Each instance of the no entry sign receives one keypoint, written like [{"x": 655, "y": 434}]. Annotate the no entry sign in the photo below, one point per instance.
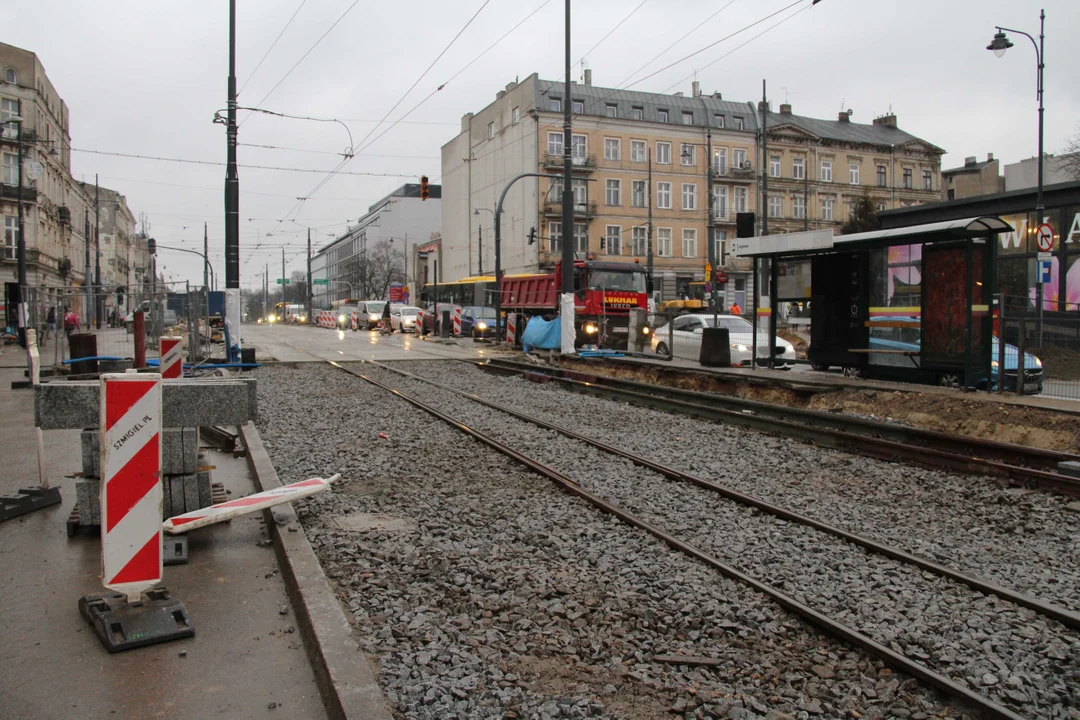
[
  {"x": 1044, "y": 237},
  {"x": 131, "y": 482}
]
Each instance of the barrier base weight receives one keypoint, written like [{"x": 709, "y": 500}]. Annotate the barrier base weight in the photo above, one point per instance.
[
  {"x": 123, "y": 626},
  {"x": 174, "y": 550},
  {"x": 27, "y": 500}
]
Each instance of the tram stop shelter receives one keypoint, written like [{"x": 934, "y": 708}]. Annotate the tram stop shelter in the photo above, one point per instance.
[{"x": 909, "y": 304}]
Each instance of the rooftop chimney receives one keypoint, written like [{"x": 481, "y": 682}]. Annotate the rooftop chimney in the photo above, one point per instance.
[
  {"x": 989, "y": 157},
  {"x": 845, "y": 116},
  {"x": 717, "y": 96},
  {"x": 970, "y": 160},
  {"x": 763, "y": 105},
  {"x": 678, "y": 94},
  {"x": 785, "y": 109},
  {"x": 696, "y": 87},
  {"x": 500, "y": 95},
  {"x": 588, "y": 76},
  {"x": 889, "y": 120}
]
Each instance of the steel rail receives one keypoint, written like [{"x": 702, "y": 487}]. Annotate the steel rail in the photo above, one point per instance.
[
  {"x": 1034, "y": 457},
  {"x": 837, "y": 629},
  {"x": 1049, "y": 610},
  {"x": 881, "y": 448}
]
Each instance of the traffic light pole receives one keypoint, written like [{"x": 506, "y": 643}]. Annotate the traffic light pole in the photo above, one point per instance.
[
  {"x": 568, "y": 182},
  {"x": 498, "y": 249},
  {"x": 232, "y": 178}
]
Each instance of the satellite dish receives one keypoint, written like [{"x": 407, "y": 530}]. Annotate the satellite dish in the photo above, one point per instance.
[{"x": 34, "y": 170}]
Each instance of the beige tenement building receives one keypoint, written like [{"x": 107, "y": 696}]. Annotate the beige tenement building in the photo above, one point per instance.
[
  {"x": 635, "y": 154},
  {"x": 818, "y": 169}
]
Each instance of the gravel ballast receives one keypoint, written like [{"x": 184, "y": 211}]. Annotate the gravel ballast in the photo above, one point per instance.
[
  {"x": 481, "y": 590},
  {"x": 1008, "y": 653}
]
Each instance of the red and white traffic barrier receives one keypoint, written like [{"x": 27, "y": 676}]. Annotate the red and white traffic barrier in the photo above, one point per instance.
[
  {"x": 457, "y": 321},
  {"x": 251, "y": 503},
  {"x": 511, "y": 328},
  {"x": 171, "y": 364},
  {"x": 131, "y": 493}
]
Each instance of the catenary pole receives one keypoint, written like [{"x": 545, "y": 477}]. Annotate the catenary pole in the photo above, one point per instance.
[{"x": 232, "y": 178}]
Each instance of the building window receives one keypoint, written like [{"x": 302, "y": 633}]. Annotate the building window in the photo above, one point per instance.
[
  {"x": 719, "y": 120},
  {"x": 881, "y": 176},
  {"x": 738, "y": 122},
  {"x": 11, "y": 236},
  {"x": 581, "y": 194},
  {"x": 580, "y": 147},
  {"x": 687, "y": 118},
  {"x": 555, "y": 143},
  {"x": 11, "y": 169},
  {"x": 611, "y": 110},
  {"x": 663, "y": 153},
  {"x": 637, "y": 113},
  {"x": 689, "y": 196},
  {"x": 853, "y": 173},
  {"x": 581, "y": 238},
  {"x": 663, "y": 195},
  {"x": 8, "y": 109},
  {"x": 515, "y": 115},
  {"x": 639, "y": 241},
  {"x": 578, "y": 107},
  {"x": 491, "y": 130},
  {"x": 720, "y": 206},
  {"x": 742, "y": 199},
  {"x": 556, "y": 104},
  {"x": 798, "y": 168},
  {"x": 613, "y": 192},
  {"x": 952, "y": 194},
  {"x": 720, "y": 161},
  {"x": 927, "y": 179},
  {"x": 637, "y": 193},
  {"x": 881, "y": 207},
  {"x": 774, "y": 166},
  {"x": 662, "y": 115},
  {"x": 663, "y": 242},
  {"x": 686, "y": 154},
  {"x": 612, "y": 148},
  {"x": 637, "y": 151},
  {"x": 826, "y": 171},
  {"x": 798, "y": 204},
  {"x": 614, "y": 240},
  {"x": 826, "y": 208},
  {"x": 775, "y": 206},
  {"x": 720, "y": 247},
  {"x": 850, "y": 208},
  {"x": 738, "y": 159},
  {"x": 907, "y": 178},
  {"x": 689, "y": 242},
  {"x": 555, "y": 237},
  {"x": 10, "y": 76}
]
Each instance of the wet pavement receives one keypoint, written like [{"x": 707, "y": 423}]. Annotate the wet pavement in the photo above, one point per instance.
[{"x": 304, "y": 343}]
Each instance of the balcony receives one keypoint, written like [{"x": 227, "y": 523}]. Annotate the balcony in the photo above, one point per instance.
[
  {"x": 65, "y": 214},
  {"x": 11, "y": 192},
  {"x": 586, "y": 163},
  {"x": 581, "y": 210},
  {"x": 746, "y": 174}
]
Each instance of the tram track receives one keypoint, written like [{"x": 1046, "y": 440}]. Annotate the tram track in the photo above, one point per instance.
[
  {"x": 1015, "y": 464},
  {"x": 845, "y": 632}
]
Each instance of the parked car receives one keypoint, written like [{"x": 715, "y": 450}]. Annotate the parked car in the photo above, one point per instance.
[
  {"x": 909, "y": 339},
  {"x": 477, "y": 322},
  {"x": 686, "y": 332},
  {"x": 428, "y": 320},
  {"x": 403, "y": 317}
]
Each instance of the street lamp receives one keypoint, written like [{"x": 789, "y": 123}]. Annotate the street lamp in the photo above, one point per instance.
[
  {"x": 999, "y": 45},
  {"x": 480, "y": 241},
  {"x": 206, "y": 260}
]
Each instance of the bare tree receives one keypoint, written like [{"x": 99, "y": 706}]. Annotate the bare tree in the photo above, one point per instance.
[
  {"x": 1070, "y": 157},
  {"x": 387, "y": 265}
]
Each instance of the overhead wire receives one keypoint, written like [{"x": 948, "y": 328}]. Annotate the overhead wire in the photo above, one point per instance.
[
  {"x": 272, "y": 45},
  {"x": 211, "y": 162},
  {"x": 609, "y": 32}
]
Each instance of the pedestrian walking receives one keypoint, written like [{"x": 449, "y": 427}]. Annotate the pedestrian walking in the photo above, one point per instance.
[
  {"x": 50, "y": 323},
  {"x": 71, "y": 322},
  {"x": 387, "y": 327}
]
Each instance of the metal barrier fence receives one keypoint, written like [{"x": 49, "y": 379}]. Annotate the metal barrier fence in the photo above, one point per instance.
[
  {"x": 1043, "y": 351},
  {"x": 80, "y": 321}
]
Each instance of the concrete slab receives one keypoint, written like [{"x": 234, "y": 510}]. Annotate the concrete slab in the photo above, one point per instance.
[
  {"x": 62, "y": 405},
  {"x": 179, "y": 451},
  {"x": 242, "y": 658}
]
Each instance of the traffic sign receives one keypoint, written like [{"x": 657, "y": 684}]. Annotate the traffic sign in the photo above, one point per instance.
[
  {"x": 1045, "y": 255},
  {"x": 721, "y": 277},
  {"x": 1044, "y": 272},
  {"x": 708, "y": 269},
  {"x": 1044, "y": 237},
  {"x": 283, "y": 281},
  {"x": 34, "y": 169},
  {"x": 320, "y": 281}
]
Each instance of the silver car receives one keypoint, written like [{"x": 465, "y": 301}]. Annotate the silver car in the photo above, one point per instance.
[
  {"x": 403, "y": 317},
  {"x": 685, "y": 335}
]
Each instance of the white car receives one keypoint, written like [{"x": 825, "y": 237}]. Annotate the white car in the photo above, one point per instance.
[
  {"x": 686, "y": 335},
  {"x": 403, "y": 317}
]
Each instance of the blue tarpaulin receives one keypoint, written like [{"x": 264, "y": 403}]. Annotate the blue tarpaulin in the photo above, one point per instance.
[{"x": 541, "y": 333}]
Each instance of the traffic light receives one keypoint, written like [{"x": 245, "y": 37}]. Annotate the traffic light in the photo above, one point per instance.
[
  {"x": 151, "y": 246},
  {"x": 532, "y": 235},
  {"x": 424, "y": 187}
]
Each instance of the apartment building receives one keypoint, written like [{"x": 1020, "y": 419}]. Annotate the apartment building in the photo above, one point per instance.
[
  {"x": 818, "y": 169},
  {"x": 973, "y": 178},
  {"x": 640, "y": 168}
]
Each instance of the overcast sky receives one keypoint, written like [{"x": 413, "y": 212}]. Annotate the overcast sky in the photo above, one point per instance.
[{"x": 146, "y": 77}]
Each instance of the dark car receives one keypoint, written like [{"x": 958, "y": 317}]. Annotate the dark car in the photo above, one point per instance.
[
  {"x": 477, "y": 322},
  {"x": 428, "y": 321}
]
